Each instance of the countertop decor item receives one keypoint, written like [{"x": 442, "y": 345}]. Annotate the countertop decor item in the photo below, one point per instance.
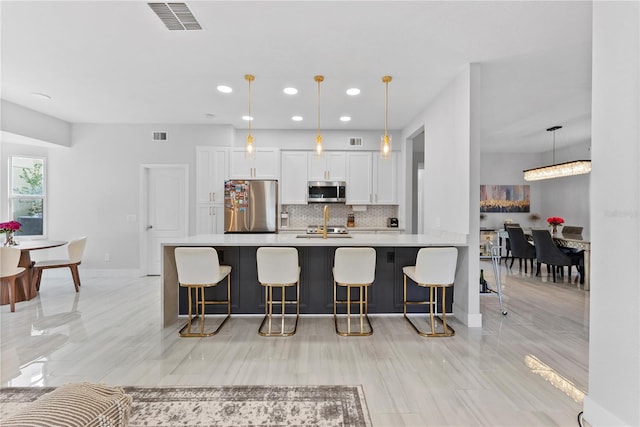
[{"x": 9, "y": 228}]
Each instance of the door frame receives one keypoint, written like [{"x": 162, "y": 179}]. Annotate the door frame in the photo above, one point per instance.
[{"x": 144, "y": 207}]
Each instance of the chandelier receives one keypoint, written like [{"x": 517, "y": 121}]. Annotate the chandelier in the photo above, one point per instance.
[{"x": 557, "y": 170}]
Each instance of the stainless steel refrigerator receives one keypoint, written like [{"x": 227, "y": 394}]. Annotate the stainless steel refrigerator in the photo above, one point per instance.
[{"x": 250, "y": 206}]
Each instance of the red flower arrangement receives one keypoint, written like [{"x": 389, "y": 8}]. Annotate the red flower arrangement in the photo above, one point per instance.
[
  {"x": 10, "y": 226},
  {"x": 555, "y": 220}
]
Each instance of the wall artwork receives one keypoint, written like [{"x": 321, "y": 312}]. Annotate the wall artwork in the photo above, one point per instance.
[{"x": 504, "y": 198}]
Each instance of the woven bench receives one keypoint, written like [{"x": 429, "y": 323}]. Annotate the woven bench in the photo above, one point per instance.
[{"x": 85, "y": 404}]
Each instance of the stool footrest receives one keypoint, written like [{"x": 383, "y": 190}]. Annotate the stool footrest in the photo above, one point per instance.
[{"x": 190, "y": 334}]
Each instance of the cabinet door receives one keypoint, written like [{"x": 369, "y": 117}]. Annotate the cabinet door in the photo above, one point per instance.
[
  {"x": 267, "y": 164},
  {"x": 293, "y": 182},
  {"x": 264, "y": 165},
  {"x": 359, "y": 172},
  {"x": 385, "y": 179},
  {"x": 336, "y": 165},
  {"x": 209, "y": 218},
  {"x": 212, "y": 168},
  {"x": 316, "y": 167}
]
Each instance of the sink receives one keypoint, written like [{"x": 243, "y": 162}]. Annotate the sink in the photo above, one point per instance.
[{"x": 319, "y": 236}]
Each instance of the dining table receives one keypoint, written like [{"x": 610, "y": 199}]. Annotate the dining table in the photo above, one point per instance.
[
  {"x": 25, "y": 285},
  {"x": 572, "y": 241}
]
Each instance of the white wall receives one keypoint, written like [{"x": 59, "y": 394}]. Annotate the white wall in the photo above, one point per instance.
[
  {"x": 566, "y": 197},
  {"x": 614, "y": 333}
]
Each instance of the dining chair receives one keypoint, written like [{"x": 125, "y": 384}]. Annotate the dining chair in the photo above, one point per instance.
[
  {"x": 548, "y": 253},
  {"x": 278, "y": 268},
  {"x": 75, "y": 249},
  {"x": 435, "y": 268},
  {"x": 9, "y": 270},
  {"x": 572, "y": 232},
  {"x": 199, "y": 268},
  {"x": 520, "y": 248},
  {"x": 507, "y": 244}
]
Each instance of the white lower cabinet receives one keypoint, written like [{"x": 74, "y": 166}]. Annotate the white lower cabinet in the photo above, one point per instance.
[{"x": 209, "y": 218}]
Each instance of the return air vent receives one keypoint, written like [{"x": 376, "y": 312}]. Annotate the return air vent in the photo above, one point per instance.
[
  {"x": 176, "y": 16},
  {"x": 160, "y": 136},
  {"x": 356, "y": 141}
]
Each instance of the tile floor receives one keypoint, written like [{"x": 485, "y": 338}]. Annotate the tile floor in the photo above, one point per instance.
[{"x": 523, "y": 369}]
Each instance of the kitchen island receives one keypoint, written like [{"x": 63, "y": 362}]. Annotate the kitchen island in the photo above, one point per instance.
[{"x": 394, "y": 251}]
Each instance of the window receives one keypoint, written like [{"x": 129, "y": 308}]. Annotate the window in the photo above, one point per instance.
[{"x": 26, "y": 194}]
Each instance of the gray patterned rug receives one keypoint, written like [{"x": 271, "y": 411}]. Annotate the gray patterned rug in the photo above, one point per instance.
[{"x": 228, "y": 405}]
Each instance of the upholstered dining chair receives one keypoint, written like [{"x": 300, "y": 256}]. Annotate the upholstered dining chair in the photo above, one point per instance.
[
  {"x": 548, "y": 253},
  {"x": 520, "y": 248},
  {"x": 75, "y": 249},
  {"x": 9, "y": 270},
  {"x": 572, "y": 231},
  {"x": 507, "y": 244}
]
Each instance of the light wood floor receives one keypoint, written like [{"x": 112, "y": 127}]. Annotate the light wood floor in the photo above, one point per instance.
[{"x": 512, "y": 372}]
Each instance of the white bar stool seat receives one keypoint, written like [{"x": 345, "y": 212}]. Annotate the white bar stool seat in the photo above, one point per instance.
[
  {"x": 435, "y": 268},
  {"x": 354, "y": 268},
  {"x": 278, "y": 268},
  {"x": 199, "y": 268}
]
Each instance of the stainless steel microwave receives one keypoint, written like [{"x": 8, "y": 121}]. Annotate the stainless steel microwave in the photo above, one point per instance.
[{"x": 327, "y": 192}]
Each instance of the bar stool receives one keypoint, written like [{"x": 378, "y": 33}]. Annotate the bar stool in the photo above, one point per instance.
[
  {"x": 354, "y": 268},
  {"x": 278, "y": 268},
  {"x": 435, "y": 268},
  {"x": 199, "y": 268}
]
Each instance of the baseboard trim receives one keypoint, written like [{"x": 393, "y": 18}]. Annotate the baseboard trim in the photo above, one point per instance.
[{"x": 596, "y": 415}]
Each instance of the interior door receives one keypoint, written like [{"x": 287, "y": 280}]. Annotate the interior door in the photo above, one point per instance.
[{"x": 167, "y": 213}]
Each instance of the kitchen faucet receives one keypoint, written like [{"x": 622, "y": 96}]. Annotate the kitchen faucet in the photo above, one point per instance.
[{"x": 326, "y": 220}]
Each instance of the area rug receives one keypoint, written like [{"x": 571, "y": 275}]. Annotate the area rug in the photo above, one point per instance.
[{"x": 228, "y": 405}]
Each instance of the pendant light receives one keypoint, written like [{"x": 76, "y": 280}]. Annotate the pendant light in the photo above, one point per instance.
[
  {"x": 249, "y": 149},
  {"x": 385, "y": 140},
  {"x": 576, "y": 167},
  {"x": 319, "y": 79}
]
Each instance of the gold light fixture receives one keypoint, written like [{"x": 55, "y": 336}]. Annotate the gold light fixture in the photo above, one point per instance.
[
  {"x": 385, "y": 141},
  {"x": 318, "y": 79},
  {"x": 249, "y": 149},
  {"x": 559, "y": 170}
]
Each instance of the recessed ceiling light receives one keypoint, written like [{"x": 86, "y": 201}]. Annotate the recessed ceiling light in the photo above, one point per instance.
[
  {"x": 247, "y": 118},
  {"x": 296, "y": 118},
  {"x": 224, "y": 89},
  {"x": 41, "y": 95},
  {"x": 353, "y": 91},
  {"x": 290, "y": 90},
  {"x": 345, "y": 119}
]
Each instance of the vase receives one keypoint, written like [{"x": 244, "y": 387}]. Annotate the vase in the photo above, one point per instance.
[
  {"x": 554, "y": 231},
  {"x": 9, "y": 239}
]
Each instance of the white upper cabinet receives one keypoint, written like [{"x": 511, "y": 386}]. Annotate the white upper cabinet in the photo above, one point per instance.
[
  {"x": 293, "y": 183},
  {"x": 331, "y": 166},
  {"x": 371, "y": 179},
  {"x": 264, "y": 165},
  {"x": 359, "y": 172},
  {"x": 385, "y": 179},
  {"x": 212, "y": 168}
]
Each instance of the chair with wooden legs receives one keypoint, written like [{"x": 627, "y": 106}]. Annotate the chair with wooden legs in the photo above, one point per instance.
[
  {"x": 278, "y": 268},
  {"x": 435, "y": 269},
  {"x": 198, "y": 269},
  {"x": 9, "y": 270},
  {"x": 354, "y": 268},
  {"x": 75, "y": 250}
]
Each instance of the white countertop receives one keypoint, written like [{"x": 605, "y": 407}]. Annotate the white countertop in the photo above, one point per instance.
[{"x": 381, "y": 240}]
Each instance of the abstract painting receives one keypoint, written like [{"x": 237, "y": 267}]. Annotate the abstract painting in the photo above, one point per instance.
[{"x": 504, "y": 198}]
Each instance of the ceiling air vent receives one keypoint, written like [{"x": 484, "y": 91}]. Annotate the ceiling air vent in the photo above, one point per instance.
[
  {"x": 176, "y": 16},
  {"x": 160, "y": 136},
  {"x": 356, "y": 141}
]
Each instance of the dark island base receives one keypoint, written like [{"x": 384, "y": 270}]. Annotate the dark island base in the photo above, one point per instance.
[{"x": 316, "y": 283}]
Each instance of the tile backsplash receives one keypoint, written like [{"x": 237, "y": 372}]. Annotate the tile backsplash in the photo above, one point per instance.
[{"x": 375, "y": 216}]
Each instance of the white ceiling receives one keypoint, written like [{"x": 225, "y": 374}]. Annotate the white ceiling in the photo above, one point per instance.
[{"x": 116, "y": 62}]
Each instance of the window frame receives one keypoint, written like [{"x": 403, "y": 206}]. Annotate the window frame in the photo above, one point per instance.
[{"x": 12, "y": 197}]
